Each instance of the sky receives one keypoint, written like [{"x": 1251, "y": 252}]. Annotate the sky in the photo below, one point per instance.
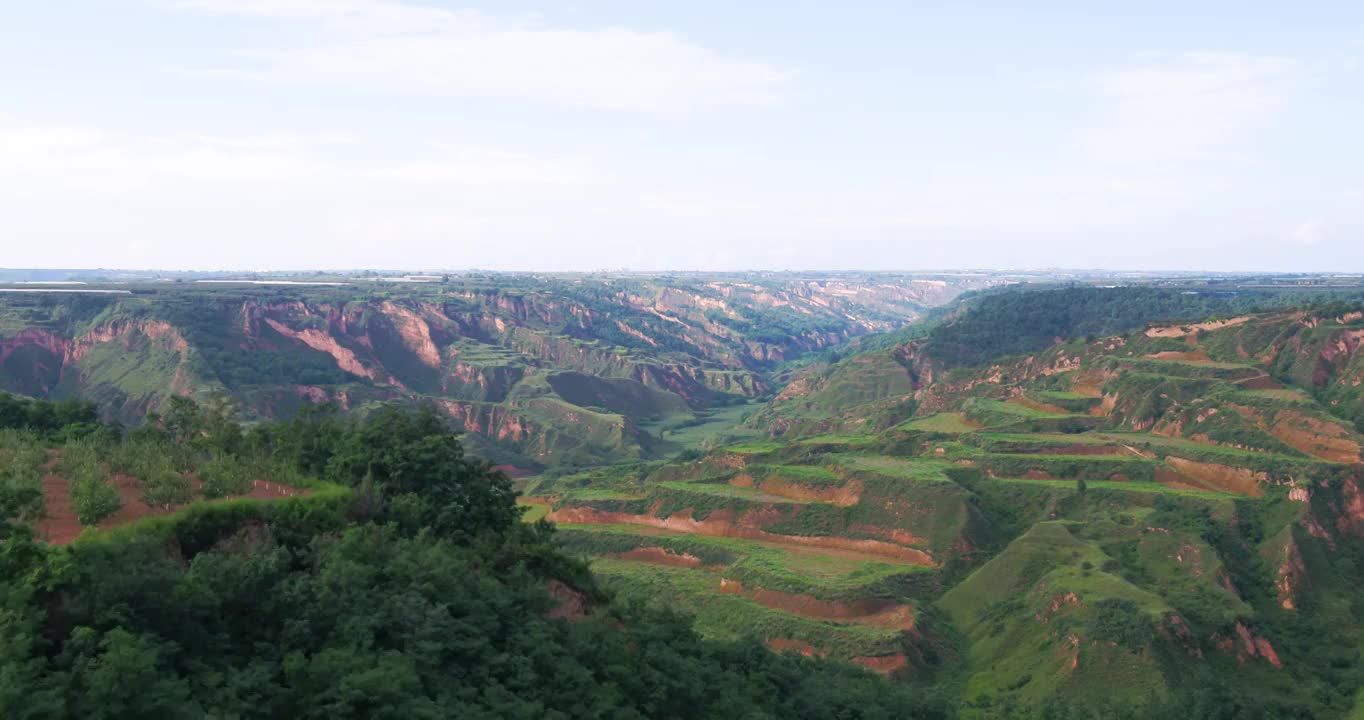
[{"x": 697, "y": 135}]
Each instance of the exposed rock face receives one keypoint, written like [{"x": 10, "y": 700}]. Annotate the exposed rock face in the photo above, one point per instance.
[
  {"x": 1248, "y": 646},
  {"x": 701, "y": 340},
  {"x": 415, "y": 333},
  {"x": 1351, "y": 513},
  {"x": 45, "y": 362},
  {"x": 322, "y": 342}
]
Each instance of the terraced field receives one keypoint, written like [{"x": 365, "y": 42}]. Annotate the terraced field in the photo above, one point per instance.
[{"x": 1108, "y": 529}]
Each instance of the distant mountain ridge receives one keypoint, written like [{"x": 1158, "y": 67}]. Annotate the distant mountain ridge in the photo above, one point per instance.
[{"x": 538, "y": 370}]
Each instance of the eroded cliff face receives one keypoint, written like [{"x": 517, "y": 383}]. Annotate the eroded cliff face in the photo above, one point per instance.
[
  {"x": 128, "y": 365},
  {"x": 704, "y": 341}
]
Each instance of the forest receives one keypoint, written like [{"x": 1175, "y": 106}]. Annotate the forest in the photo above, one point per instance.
[{"x": 1013, "y": 322}]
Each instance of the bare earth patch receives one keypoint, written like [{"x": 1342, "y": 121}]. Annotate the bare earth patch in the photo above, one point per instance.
[
  {"x": 876, "y": 613},
  {"x": 60, "y": 525}
]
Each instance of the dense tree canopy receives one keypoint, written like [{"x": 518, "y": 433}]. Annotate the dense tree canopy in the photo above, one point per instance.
[{"x": 999, "y": 324}]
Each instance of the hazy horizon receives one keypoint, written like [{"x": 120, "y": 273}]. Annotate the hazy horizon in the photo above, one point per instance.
[{"x": 294, "y": 135}]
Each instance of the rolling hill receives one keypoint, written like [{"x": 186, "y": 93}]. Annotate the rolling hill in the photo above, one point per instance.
[
  {"x": 1055, "y": 502},
  {"x": 1170, "y": 519}
]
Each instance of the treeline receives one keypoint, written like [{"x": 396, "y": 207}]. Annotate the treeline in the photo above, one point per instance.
[
  {"x": 420, "y": 594},
  {"x": 47, "y": 418},
  {"x": 1017, "y": 322}
]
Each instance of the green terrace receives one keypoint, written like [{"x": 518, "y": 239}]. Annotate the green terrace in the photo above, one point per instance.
[
  {"x": 1134, "y": 445},
  {"x": 731, "y": 616},
  {"x": 1148, "y": 488},
  {"x": 799, "y": 474},
  {"x": 985, "y": 407},
  {"x": 841, "y": 440},
  {"x": 1280, "y": 394},
  {"x": 923, "y": 471},
  {"x": 1189, "y": 368},
  {"x": 1065, "y": 465},
  {"x": 753, "y": 447},
  {"x": 950, "y": 423},
  {"x": 825, "y": 574},
  {"x": 1071, "y": 402},
  {"x": 730, "y": 492}
]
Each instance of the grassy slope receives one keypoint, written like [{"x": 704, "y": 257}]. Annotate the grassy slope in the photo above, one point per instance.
[{"x": 1121, "y": 592}]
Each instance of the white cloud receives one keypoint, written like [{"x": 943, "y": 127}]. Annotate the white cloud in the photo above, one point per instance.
[
  {"x": 369, "y": 15},
  {"x": 462, "y": 165},
  {"x": 91, "y": 159},
  {"x": 1165, "y": 110},
  {"x": 399, "y": 47}
]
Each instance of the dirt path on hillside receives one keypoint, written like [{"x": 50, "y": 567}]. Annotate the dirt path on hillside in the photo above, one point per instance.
[{"x": 59, "y": 525}]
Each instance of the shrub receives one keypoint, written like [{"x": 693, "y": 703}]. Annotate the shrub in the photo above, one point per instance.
[
  {"x": 166, "y": 487},
  {"x": 94, "y": 498},
  {"x": 1121, "y": 621},
  {"x": 225, "y": 475}
]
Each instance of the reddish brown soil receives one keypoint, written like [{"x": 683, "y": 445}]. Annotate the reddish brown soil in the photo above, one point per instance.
[
  {"x": 60, "y": 526},
  {"x": 1326, "y": 440},
  {"x": 1351, "y": 518},
  {"x": 898, "y": 535},
  {"x": 1260, "y": 382},
  {"x": 660, "y": 556},
  {"x": 879, "y": 613},
  {"x": 1037, "y": 475},
  {"x": 1249, "y": 647},
  {"x": 1212, "y": 476},
  {"x": 571, "y": 604},
  {"x": 804, "y": 648},
  {"x": 722, "y": 523},
  {"x": 1168, "y": 477},
  {"x": 514, "y": 472},
  {"x": 843, "y": 496},
  {"x": 884, "y": 664},
  {"x": 1038, "y": 406}
]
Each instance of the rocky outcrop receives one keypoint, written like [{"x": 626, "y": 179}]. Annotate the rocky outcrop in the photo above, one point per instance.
[
  {"x": 1247, "y": 646},
  {"x": 321, "y": 341},
  {"x": 414, "y": 331}
]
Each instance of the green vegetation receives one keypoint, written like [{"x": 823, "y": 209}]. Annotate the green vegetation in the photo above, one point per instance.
[
  {"x": 949, "y": 423},
  {"x": 373, "y": 603},
  {"x": 543, "y": 370},
  {"x": 727, "y": 616},
  {"x": 93, "y": 496},
  {"x": 1086, "y": 532},
  {"x": 1008, "y": 323}
]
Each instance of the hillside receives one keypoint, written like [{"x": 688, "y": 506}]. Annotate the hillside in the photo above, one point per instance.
[
  {"x": 401, "y": 586},
  {"x": 539, "y": 370},
  {"x": 1144, "y": 519},
  {"x": 1167, "y": 522}
]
